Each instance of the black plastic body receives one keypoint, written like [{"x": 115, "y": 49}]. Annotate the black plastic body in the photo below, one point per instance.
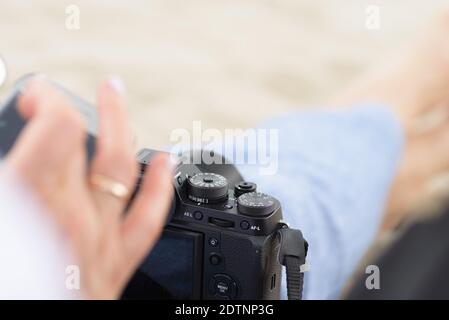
[{"x": 247, "y": 247}]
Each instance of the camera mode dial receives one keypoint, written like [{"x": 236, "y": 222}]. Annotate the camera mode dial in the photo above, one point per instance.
[
  {"x": 256, "y": 204},
  {"x": 206, "y": 187}
]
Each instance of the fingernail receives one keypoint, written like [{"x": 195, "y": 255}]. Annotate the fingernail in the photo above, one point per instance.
[
  {"x": 38, "y": 77},
  {"x": 116, "y": 83},
  {"x": 32, "y": 81}
]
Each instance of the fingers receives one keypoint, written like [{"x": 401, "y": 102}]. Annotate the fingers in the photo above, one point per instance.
[
  {"x": 54, "y": 130},
  {"x": 114, "y": 157},
  {"x": 51, "y": 145},
  {"x": 435, "y": 142},
  {"x": 147, "y": 215},
  {"x": 417, "y": 170}
]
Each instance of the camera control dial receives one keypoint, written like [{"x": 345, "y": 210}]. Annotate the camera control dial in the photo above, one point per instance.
[
  {"x": 206, "y": 187},
  {"x": 256, "y": 204},
  {"x": 244, "y": 187}
]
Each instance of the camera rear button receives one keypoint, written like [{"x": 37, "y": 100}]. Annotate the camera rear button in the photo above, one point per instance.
[
  {"x": 213, "y": 242},
  {"x": 198, "y": 215},
  {"x": 244, "y": 225},
  {"x": 215, "y": 259},
  {"x": 223, "y": 286}
]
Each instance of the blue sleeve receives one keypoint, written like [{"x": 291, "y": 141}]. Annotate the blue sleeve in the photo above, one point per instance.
[{"x": 334, "y": 172}]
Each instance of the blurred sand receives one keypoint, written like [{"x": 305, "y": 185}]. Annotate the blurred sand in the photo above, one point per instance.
[{"x": 227, "y": 63}]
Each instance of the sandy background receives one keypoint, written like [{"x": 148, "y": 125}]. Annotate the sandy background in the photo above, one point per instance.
[{"x": 227, "y": 63}]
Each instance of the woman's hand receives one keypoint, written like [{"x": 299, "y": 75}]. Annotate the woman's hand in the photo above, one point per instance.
[
  {"x": 416, "y": 88},
  {"x": 50, "y": 157}
]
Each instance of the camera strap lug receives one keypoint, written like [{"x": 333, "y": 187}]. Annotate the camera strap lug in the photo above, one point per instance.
[{"x": 292, "y": 255}]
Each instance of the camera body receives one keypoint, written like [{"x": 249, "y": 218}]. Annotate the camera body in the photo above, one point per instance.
[{"x": 220, "y": 240}]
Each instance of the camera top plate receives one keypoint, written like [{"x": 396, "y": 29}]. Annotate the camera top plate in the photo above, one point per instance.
[{"x": 255, "y": 214}]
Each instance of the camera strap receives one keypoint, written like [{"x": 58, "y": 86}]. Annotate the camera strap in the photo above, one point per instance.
[{"x": 292, "y": 255}]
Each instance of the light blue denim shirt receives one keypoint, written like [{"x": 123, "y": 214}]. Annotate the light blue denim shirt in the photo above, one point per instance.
[{"x": 334, "y": 173}]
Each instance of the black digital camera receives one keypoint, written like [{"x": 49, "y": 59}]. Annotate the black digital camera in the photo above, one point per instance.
[{"x": 221, "y": 240}]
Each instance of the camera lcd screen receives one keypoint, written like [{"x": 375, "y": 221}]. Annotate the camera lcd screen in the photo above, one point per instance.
[{"x": 172, "y": 270}]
